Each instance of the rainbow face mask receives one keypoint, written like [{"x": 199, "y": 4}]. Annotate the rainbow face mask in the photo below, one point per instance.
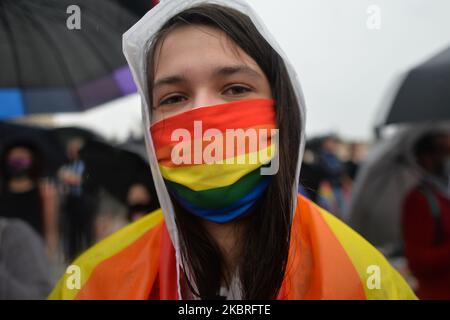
[{"x": 212, "y": 158}]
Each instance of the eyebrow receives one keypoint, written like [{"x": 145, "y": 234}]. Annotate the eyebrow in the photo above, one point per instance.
[
  {"x": 176, "y": 79},
  {"x": 218, "y": 72},
  {"x": 231, "y": 70}
]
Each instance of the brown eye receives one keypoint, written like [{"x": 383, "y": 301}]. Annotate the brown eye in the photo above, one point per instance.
[
  {"x": 236, "y": 90},
  {"x": 173, "y": 99}
]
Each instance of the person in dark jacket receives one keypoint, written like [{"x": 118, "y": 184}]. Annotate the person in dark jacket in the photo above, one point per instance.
[
  {"x": 426, "y": 219},
  {"x": 26, "y": 194}
]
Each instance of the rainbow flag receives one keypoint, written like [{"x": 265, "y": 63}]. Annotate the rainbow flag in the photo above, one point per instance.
[{"x": 327, "y": 260}]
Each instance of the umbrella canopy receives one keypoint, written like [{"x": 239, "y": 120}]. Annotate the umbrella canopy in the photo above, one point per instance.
[
  {"x": 50, "y": 149},
  {"x": 424, "y": 94},
  {"x": 138, "y": 7},
  {"x": 115, "y": 169},
  {"x": 64, "y": 134},
  {"x": 47, "y": 67},
  {"x": 383, "y": 182}
]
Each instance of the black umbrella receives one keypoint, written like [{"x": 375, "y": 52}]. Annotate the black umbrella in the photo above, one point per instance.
[
  {"x": 138, "y": 7},
  {"x": 65, "y": 134},
  {"x": 48, "y": 67},
  {"x": 425, "y": 93},
  {"x": 115, "y": 169}
]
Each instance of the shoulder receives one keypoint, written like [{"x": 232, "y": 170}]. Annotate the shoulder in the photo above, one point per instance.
[
  {"x": 17, "y": 232},
  {"x": 110, "y": 258},
  {"x": 124, "y": 237},
  {"x": 378, "y": 278},
  {"x": 15, "y": 226},
  {"x": 414, "y": 195}
]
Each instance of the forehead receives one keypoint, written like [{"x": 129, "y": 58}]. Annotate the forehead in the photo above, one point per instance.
[{"x": 196, "y": 46}]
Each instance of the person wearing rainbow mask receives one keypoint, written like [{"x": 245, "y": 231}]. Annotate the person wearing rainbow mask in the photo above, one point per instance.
[{"x": 224, "y": 117}]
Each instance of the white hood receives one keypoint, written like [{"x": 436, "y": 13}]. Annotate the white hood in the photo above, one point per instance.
[{"x": 137, "y": 41}]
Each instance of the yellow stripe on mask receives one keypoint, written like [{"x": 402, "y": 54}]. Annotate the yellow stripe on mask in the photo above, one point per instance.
[{"x": 218, "y": 174}]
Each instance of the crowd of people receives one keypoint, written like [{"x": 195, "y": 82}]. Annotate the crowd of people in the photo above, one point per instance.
[
  {"x": 329, "y": 168},
  {"x": 328, "y": 176},
  {"x": 48, "y": 218},
  {"x": 426, "y": 218},
  {"x": 47, "y": 221},
  {"x": 225, "y": 230}
]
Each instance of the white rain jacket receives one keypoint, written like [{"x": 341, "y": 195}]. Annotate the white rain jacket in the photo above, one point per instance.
[{"x": 136, "y": 42}]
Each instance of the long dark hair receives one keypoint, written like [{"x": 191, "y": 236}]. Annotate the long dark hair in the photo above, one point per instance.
[{"x": 266, "y": 238}]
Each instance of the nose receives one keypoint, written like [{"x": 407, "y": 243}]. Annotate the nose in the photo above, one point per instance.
[{"x": 206, "y": 97}]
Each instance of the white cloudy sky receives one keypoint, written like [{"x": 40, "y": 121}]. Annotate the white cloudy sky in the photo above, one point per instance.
[{"x": 345, "y": 68}]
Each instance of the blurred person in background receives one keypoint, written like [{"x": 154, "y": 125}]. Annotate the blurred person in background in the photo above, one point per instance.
[
  {"x": 426, "y": 218},
  {"x": 351, "y": 167},
  {"x": 112, "y": 213},
  {"x": 71, "y": 173},
  {"x": 25, "y": 195},
  {"x": 24, "y": 267},
  {"x": 331, "y": 193},
  {"x": 110, "y": 216},
  {"x": 79, "y": 201},
  {"x": 353, "y": 162},
  {"x": 140, "y": 201},
  {"x": 311, "y": 176},
  {"x": 329, "y": 161}
]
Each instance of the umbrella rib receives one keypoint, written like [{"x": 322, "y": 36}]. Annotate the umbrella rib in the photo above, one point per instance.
[
  {"x": 97, "y": 52},
  {"x": 90, "y": 19},
  {"x": 57, "y": 53},
  {"x": 47, "y": 38},
  {"x": 117, "y": 8},
  {"x": 9, "y": 35},
  {"x": 91, "y": 44}
]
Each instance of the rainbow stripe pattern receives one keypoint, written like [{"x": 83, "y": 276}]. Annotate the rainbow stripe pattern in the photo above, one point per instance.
[
  {"x": 327, "y": 260},
  {"x": 225, "y": 188}
]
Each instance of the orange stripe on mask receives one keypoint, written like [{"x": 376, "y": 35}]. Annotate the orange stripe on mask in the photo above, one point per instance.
[
  {"x": 235, "y": 115},
  {"x": 249, "y": 145}
]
